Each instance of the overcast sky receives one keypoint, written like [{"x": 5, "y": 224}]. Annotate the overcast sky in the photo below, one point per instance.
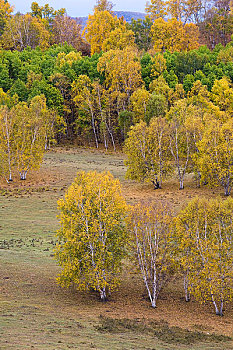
[{"x": 79, "y": 8}]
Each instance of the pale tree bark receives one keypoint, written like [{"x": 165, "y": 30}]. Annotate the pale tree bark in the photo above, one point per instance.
[
  {"x": 175, "y": 148},
  {"x": 110, "y": 133},
  {"x": 186, "y": 290},
  {"x": 93, "y": 123},
  {"x": 8, "y": 130},
  {"x": 103, "y": 118},
  {"x": 26, "y": 165},
  {"x": 103, "y": 237},
  {"x": 152, "y": 248}
]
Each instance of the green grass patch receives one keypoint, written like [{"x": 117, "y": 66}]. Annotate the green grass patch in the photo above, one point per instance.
[{"x": 162, "y": 330}]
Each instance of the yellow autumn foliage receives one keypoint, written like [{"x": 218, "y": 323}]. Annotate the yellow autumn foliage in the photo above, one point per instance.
[{"x": 92, "y": 234}]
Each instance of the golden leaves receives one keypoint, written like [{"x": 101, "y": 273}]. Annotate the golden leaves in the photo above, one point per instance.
[
  {"x": 98, "y": 28},
  {"x": 25, "y": 30},
  {"x": 92, "y": 233},
  {"x": 203, "y": 231},
  {"x": 122, "y": 70},
  {"x": 172, "y": 35}
]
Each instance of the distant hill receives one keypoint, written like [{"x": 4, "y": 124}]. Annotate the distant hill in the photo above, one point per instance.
[
  {"x": 126, "y": 14},
  {"x": 129, "y": 15}
]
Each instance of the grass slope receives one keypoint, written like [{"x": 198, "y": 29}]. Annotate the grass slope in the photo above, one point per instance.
[{"x": 36, "y": 313}]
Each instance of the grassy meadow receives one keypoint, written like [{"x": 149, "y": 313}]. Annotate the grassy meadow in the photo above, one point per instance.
[{"x": 36, "y": 313}]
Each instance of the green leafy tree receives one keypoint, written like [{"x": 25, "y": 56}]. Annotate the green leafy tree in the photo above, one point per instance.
[
  {"x": 157, "y": 106},
  {"x": 125, "y": 121},
  {"x": 5, "y": 80},
  {"x": 19, "y": 88},
  {"x": 141, "y": 29}
]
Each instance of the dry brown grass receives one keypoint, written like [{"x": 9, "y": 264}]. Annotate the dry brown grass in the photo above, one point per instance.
[{"x": 36, "y": 313}]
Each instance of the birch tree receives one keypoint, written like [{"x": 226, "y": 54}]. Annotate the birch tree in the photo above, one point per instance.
[
  {"x": 119, "y": 38},
  {"x": 173, "y": 35},
  {"x": 25, "y": 133},
  {"x": 6, "y": 135},
  {"x": 204, "y": 233},
  {"x": 195, "y": 126},
  {"x": 7, "y": 124},
  {"x": 138, "y": 103},
  {"x": 92, "y": 234},
  {"x": 147, "y": 150},
  {"x": 30, "y": 133},
  {"x": 85, "y": 98},
  {"x": 24, "y": 30},
  {"x": 215, "y": 157},
  {"x": 98, "y": 27},
  {"x": 104, "y": 5},
  {"x": 66, "y": 30},
  {"x": 151, "y": 232},
  {"x": 104, "y": 109},
  {"x": 180, "y": 137},
  {"x": 122, "y": 70}
]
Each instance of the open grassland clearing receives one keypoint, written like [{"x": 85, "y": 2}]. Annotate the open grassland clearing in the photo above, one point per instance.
[{"x": 36, "y": 313}]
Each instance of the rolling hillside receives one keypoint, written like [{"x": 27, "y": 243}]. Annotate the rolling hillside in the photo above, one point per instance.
[{"x": 128, "y": 15}]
